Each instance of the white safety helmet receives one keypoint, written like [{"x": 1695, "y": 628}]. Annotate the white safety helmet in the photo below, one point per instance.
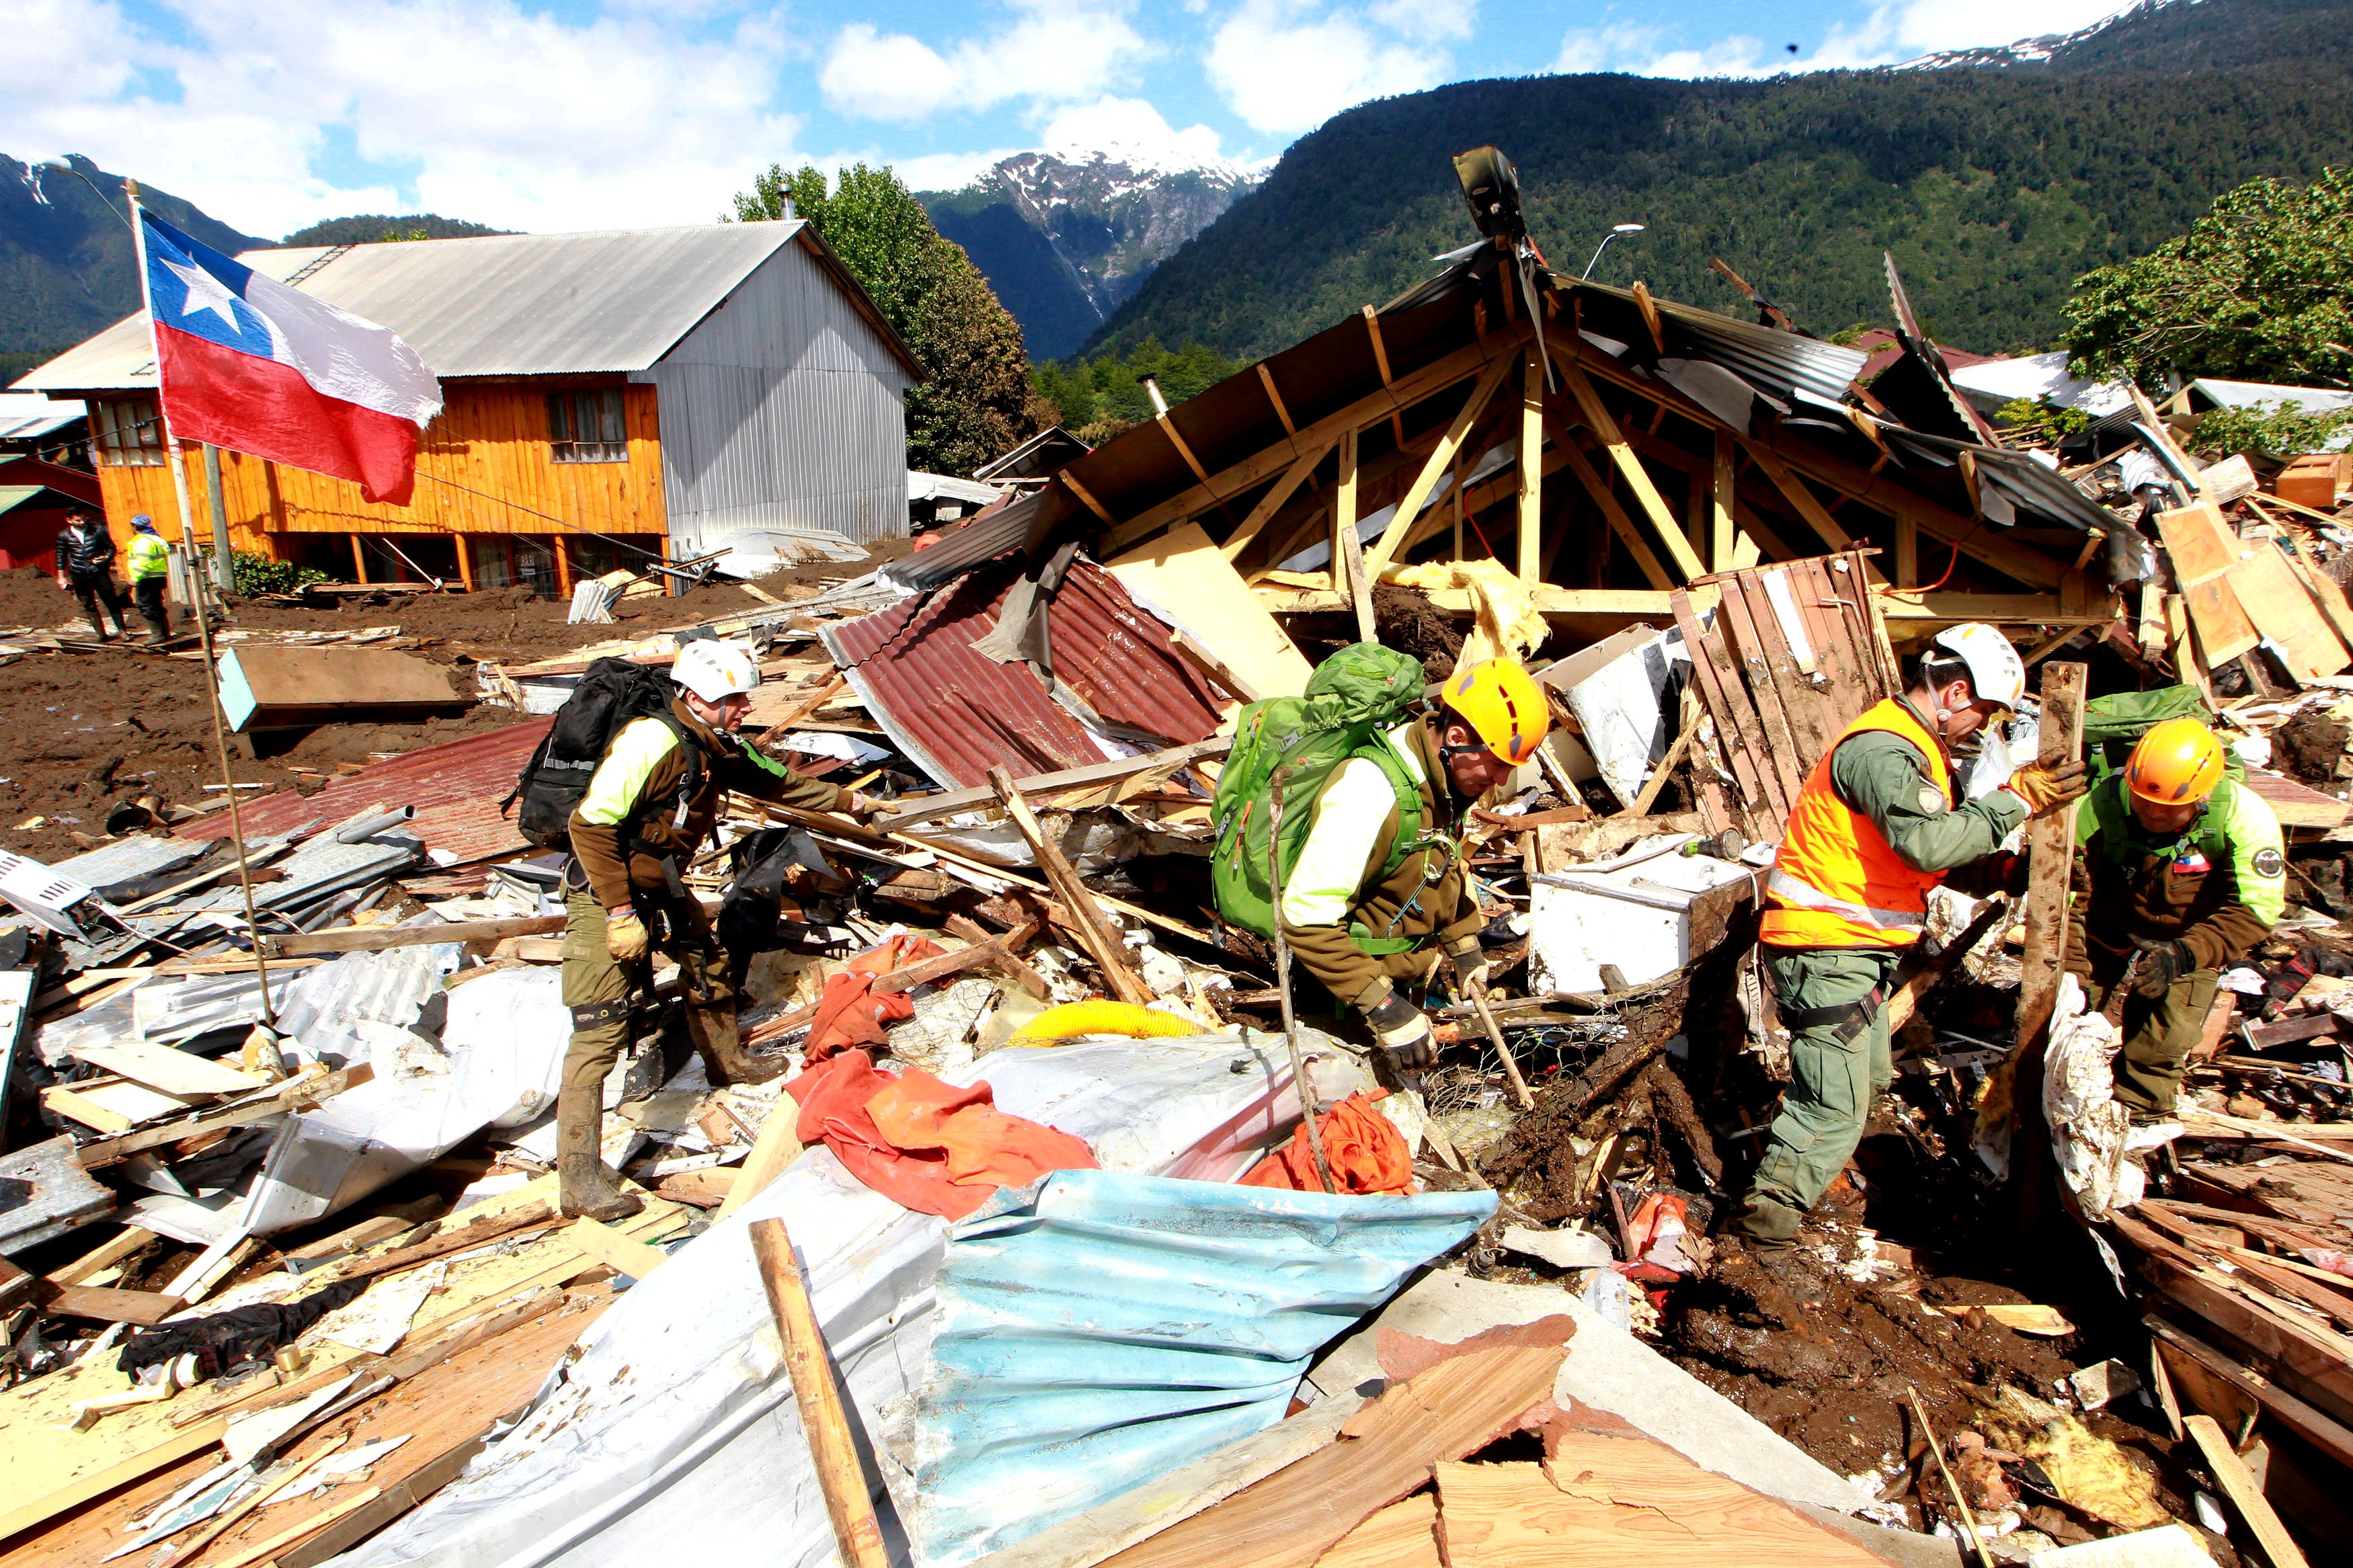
[
  {"x": 1996, "y": 672},
  {"x": 713, "y": 669}
]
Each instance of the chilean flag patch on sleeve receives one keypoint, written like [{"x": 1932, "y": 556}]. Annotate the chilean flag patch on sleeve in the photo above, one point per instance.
[{"x": 252, "y": 365}]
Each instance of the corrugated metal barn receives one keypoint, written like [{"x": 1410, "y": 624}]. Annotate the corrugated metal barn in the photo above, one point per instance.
[{"x": 666, "y": 391}]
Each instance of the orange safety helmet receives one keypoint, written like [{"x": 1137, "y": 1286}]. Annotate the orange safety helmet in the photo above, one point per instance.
[
  {"x": 2177, "y": 763},
  {"x": 1503, "y": 704}
]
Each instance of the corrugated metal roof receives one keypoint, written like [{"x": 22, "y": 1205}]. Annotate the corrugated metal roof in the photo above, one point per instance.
[
  {"x": 456, "y": 788},
  {"x": 958, "y": 713},
  {"x": 1096, "y": 1330},
  {"x": 27, "y": 416},
  {"x": 507, "y": 304}
]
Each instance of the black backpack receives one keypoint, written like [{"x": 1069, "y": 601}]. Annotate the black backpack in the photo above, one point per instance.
[{"x": 611, "y": 693}]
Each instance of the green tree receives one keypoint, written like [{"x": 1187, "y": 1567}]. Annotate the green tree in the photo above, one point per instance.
[
  {"x": 2261, "y": 289},
  {"x": 974, "y": 402},
  {"x": 1099, "y": 398}
]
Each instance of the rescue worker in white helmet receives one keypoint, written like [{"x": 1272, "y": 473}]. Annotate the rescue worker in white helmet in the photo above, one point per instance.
[
  {"x": 649, "y": 809},
  {"x": 1878, "y": 824}
]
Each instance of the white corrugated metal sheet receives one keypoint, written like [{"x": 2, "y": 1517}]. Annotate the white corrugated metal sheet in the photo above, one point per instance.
[
  {"x": 782, "y": 411},
  {"x": 509, "y": 304},
  {"x": 28, "y": 416}
]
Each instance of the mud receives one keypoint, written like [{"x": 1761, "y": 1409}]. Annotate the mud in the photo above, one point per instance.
[
  {"x": 2308, "y": 747},
  {"x": 1409, "y": 622}
]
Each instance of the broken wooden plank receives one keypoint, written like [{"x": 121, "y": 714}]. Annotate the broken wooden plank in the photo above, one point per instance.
[
  {"x": 920, "y": 808},
  {"x": 2331, "y": 1437},
  {"x": 2245, "y": 1494},
  {"x": 264, "y": 687},
  {"x": 452, "y": 1238},
  {"x": 2277, "y": 601},
  {"x": 1182, "y": 574},
  {"x": 1099, "y": 934},
  {"x": 2204, "y": 553},
  {"x": 624, "y": 1254},
  {"x": 1402, "y": 1535},
  {"x": 144, "y": 1308},
  {"x": 295, "y": 1094},
  {"x": 50, "y": 1194},
  {"x": 112, "y": 1105},
  {"x": 1386, "y": 1451},
  {"x": 2051, "y": 844},
  {"x": 374, "y": 939},
  {"x": 175, "y": 1072}
]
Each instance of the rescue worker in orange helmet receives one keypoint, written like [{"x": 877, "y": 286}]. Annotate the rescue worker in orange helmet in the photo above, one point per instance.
[
  {"x": 1361, "y": 924},
  {"x": 1879, "y": 823},
  {"x": 2184, "y": 870}
]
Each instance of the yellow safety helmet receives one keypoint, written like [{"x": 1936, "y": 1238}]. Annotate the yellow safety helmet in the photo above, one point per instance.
[
  {"x": 1501, "y": 703},
  {"x": 2177, "y": 763}
]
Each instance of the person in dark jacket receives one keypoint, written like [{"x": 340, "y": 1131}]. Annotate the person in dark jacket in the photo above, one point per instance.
[{"x": 86, "y": 570}]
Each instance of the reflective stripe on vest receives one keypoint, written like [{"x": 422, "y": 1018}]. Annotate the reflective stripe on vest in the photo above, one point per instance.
[{"x": 1836, "y": 882}]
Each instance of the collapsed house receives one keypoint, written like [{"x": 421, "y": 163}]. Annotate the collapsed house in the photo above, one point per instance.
[{"x": 1063, "y": 1284}]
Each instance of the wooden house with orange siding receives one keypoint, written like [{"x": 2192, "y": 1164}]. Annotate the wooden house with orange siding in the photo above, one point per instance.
[{"x": 608, "y": 397}]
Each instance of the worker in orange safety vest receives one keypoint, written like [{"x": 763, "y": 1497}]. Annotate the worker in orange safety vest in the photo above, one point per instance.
[{"x": 1876, "y": 826}]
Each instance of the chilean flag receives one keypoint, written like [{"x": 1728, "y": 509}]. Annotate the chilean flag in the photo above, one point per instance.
[{"x": 255, "y": 366}]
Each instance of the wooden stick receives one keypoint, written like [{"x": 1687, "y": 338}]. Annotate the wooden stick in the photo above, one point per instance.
[
  {"x": 2246, "y": 1495},
  {"x": 456, "y": 1238},
  {"x": 220, "y": 742},
  {"x": 1511, "y": 1068},
  {"x": 1105, "y": 946},
  {"x": 823, "y": 1420},
  {"x": 370, "y": 938},
  {"x": 1937, "y": 1451},
  {"x": 825, "y": 694},
  {"x": 295, "y": 1094},
  {"x": 1649, "y": 795}
]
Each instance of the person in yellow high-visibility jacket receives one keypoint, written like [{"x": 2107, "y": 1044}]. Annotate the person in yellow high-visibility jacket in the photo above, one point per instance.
[
  {"x": 151, "y": 568},
  {"x": 1875, "y": 828}
]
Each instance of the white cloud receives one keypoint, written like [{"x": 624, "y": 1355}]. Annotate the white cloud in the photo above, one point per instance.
[
  {"x": 1889, "y": 33},
  {"x": 1055, "y": 51},
  {"x": 1586, "y": 49},
  {"x": 1287, "y": 65},
  {"x": 934, "y": 171},
  {"x": 1427, "y": 21},
  {"x": 505, "y": 116}
]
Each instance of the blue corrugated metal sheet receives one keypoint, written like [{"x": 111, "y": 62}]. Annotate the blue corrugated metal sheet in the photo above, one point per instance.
[{"x": 1096, "y": 1330}]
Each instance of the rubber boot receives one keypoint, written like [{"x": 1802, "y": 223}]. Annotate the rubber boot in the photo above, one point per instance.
[
  {"x": 725, "y": 1059},
  {"x": 589, "y": 1193}
]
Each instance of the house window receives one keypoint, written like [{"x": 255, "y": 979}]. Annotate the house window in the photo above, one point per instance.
[
  {"x": 129, "y": 435},
  {"x": 586, "y": 426}
]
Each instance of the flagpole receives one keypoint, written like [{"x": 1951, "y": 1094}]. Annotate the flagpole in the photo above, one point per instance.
[
  {"x": 171, "y": 442},
  {"x": 201, "y": 590}
]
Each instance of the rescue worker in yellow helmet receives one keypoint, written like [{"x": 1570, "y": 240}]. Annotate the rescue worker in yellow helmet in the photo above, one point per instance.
[
  {"x": 2184, "y": 870},
  {"x": 1360, "y": 931},
  {"x": 1879, "y": 823}
]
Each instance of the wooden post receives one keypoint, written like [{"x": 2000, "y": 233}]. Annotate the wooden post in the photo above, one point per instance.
[
  {"x": 1908, "y": 552},
  {"x": 1721, "y": 526},
  {"x": 826, "y": 1424},
  {"x": 2051, "y": 844},
  {"x": 359, "y": 560},
  {"x": 558, "y": 543},
  {"x": 1348, "y": 555},
  {"x": 1532, "y": 389},
  {"x": 458, "y": 543},
  {"x": 1456, "y": 490},
  {"x": 1097, "y": 934}
]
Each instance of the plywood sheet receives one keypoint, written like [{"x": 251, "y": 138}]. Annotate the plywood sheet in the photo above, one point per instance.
[
  {"x": 172, "y": 1071},
  {"x": 2275, "y": 600},
  {"x": 1623, "y": 1499},
  {"x": 2205, "y": 552},
  {"x": 1182, "y": 574}
]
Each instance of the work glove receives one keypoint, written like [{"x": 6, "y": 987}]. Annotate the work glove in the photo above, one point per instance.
[
  {"x": 861, "y": 806},
  {"x": 1403, "y": 1031},
  {"x": 1470, "y": 968},
  {"x": 625, "y": 935},
  {"x": 2162, "y": 964},
  {"x": 2045, "y": 788}
]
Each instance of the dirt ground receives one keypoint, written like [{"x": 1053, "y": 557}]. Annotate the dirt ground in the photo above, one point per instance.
[{"x": 90, "y": 727}]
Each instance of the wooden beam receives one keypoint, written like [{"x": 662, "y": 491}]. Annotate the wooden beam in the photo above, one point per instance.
[
  {"x": 1168, "y": 428},
  {"x": 1720, "y": 495},
  {"x": 1532, "y": 433},
  {"x": 1086, "y": 497},
  {"x": 1267, "y": 462},
  {"x": 1808, "y": 506},
  {"x": 1098, "y": 934},
  {"x": 1408, "y": 511},
  {"x": 1348, "y": 555},
  {"x": 1266, "y": 379},
  {"x": 371, "y": 938},
  {"x": 1381, "y": 364},
  {"x": 1614, "y": 514},
  {"x": 2246, "y": 1493},
  {"x": 1603, "y": 424},
  {"x": 1908, "y": 552},
  {"x": 1271, "y": 502},
  {"x": 1921, "y": 612}
]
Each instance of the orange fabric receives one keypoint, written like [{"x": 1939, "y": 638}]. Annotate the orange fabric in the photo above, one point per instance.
[
  {"x": 1838, "y": 851},
  {"x": 1364, "y": 1148},
  {"x": 847, "y": 1011},
  {"x": 926, "y": 1145}
]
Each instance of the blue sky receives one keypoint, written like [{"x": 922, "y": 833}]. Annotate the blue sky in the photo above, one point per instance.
[{"x": 593, "y": 113}]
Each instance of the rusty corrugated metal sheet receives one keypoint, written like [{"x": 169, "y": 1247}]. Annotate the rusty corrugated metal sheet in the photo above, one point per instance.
[
  {"x": 956, "y": 714},
  {"x": 456, "y": 788}
]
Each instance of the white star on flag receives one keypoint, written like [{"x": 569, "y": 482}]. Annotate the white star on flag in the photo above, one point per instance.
[{"x": 206, "y": 292}]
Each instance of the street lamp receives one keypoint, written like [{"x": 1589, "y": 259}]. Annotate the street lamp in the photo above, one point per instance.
[
  {"x": 66, "y": 165},
  {"x": 1621, "y": 228}
]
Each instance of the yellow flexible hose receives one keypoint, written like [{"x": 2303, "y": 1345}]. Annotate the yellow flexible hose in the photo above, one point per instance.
[{"x": 1100, "y": 1016}]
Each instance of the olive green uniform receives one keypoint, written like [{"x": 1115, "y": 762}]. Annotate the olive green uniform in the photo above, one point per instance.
[
  {"x": 1833, "y": 1082},
  {"x": 2217, "y": 886}
]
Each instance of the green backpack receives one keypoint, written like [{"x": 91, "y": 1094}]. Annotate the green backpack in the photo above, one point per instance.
[{"x": 1352, "y": 700}]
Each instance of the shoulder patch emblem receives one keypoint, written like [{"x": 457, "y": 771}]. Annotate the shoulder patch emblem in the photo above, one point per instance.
[
  {"x": 1933, "y": 799},
  {"x": 2269, "y": 863}
]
